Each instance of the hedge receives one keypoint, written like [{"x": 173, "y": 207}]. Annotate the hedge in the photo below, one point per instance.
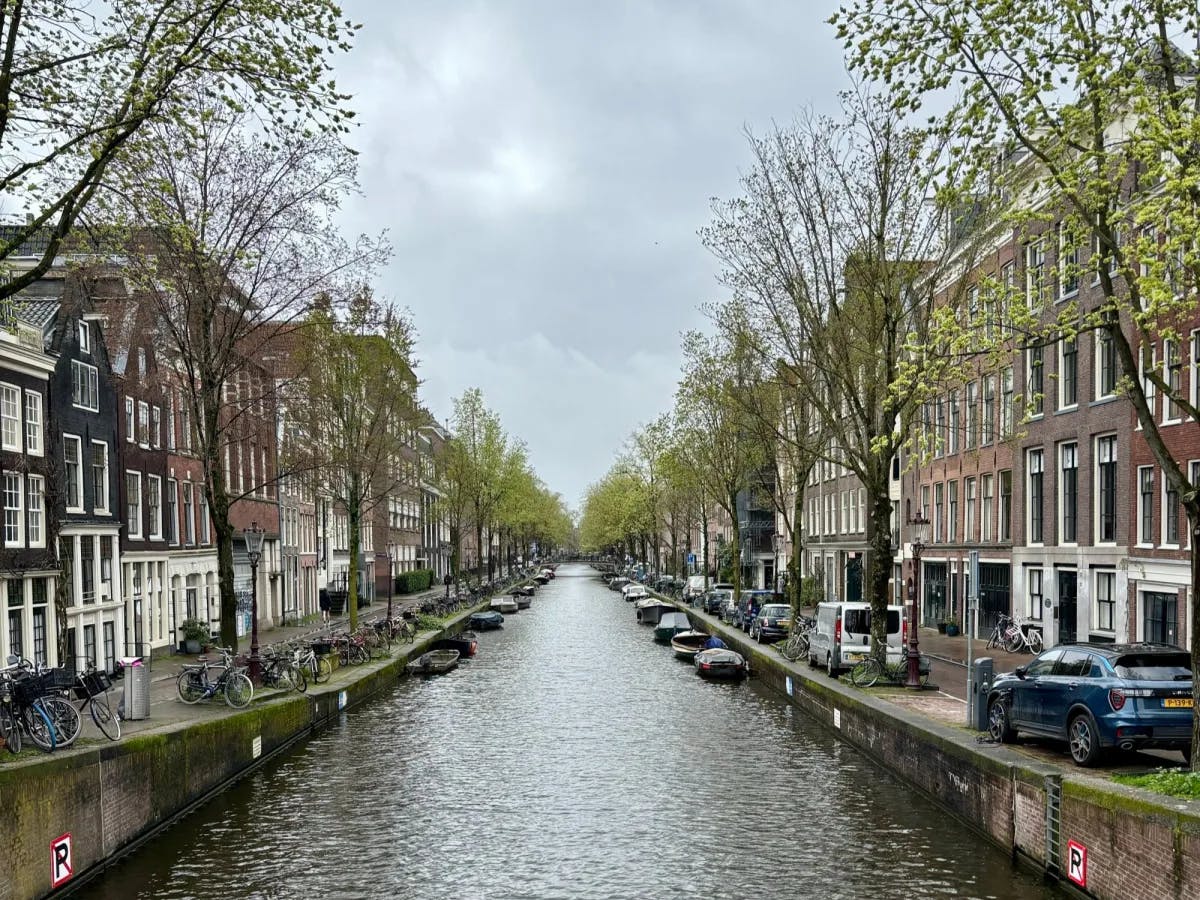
[{"x": 416, "y": 580}]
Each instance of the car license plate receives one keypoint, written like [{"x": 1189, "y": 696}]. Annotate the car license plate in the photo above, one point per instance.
[
  {"x": 1178, "y": 702},
  {"x": 855, "y": 657}
]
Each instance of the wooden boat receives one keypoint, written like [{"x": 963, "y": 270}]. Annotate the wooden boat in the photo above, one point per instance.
[
  {"x": 503, "y": 605},
  {"x": 669, "y": 625},
  {"x": 465, "y": 642},
  {"x": 435, "y": 662},
  {"x": 523, "y": 601},
  {"x": 720, "y": 664},
  {"x": 687, "y": 644},
  {"x": 485, "y": 621},
  {"x": 651, "y": 609}
]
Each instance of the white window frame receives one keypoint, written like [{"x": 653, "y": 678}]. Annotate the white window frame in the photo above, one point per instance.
[
  {"x": 987, "y": 504},
  {"x": 35, "y": 488},
  {"x": 1103, "y": 444},
  {"x": 1040, "y": 454},
  {"x": 1068, "y": 451},
  {"x": 100, "y": 504},
  {"x": 1007, "y": 400},
  {"x": 10, "y": 417},
  {"x": 189, "y": 514},
  {"x": 18, "y": 539},
  {"x": 154, "y": 489},
  {"x": 1034, "y": 579},
  {"x": 130, "y": 421},
  {"x": 1144, "y": 539},
  {"x": 1172, "y": 351},
  {"x": 85, "y": 338},
  {"x": 133, "y": 514},
  {"x": 88, "y": 377},
  {"x": 1108, "y": 577},
  {"x": 1035, "y": 259},
  {"x": 78, "y": 442},
  {"x": 1063, "y": 403},
  {"x": 143, "y": 424},
  {"x": 1164, "y": 518},
  {"x": 1064, "y": 250},
  {"x": 952, "y": 437},
  {"x": 34, "y": 443},
  {"x": 970, "y": 497},
  {"x": 156, "y": 426}
]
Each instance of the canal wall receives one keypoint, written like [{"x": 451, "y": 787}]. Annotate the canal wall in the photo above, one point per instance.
[
  {"x": 101, "y": 802},
  {"x": 1097, "y": 837}
]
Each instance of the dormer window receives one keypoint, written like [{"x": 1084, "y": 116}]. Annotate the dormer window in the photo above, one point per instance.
[{"x": 85, "y": 338}]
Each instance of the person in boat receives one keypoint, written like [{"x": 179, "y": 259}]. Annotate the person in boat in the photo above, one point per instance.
[{"x": 714, "y": 643}]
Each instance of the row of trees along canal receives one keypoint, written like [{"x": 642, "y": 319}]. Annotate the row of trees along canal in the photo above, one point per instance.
[
  {"x": 853, "y": 258},
  {"x": 202, "y": 157}
]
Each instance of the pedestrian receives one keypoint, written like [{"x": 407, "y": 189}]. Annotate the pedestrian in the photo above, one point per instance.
[
  {"x": 323, "y": 603},
  {"x": 447, "y": 581}
]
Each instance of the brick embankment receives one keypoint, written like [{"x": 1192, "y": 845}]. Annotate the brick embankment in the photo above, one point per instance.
[
  {"x": 1136, "y": 844},
  {"x": 110, "y": 797}
]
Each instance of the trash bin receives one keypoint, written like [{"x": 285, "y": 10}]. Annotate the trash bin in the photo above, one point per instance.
[
  {"x": 135, "y": 697},
  {"x": 982, "y": 684}
]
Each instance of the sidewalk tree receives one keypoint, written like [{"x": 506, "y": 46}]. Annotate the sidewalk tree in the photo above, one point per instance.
[
  {"x": 482, "y": 445},
  {"x": 355, "y": 403},
  {"x": 78, "y": 82},
  {"x": 1096, "y": 112},
  {"x": 232, "y": 240},
  {"x": 832, "y": 253}
]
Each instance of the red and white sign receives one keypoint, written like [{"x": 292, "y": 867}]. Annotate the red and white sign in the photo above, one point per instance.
[
  {"x": 1077, "y": 863},
  {"x": 61, "y": 867}
]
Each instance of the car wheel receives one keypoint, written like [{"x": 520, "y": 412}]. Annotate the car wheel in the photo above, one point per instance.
[
  {"x": 1084, "y": 740},
  {"x": 1187, "y": 754},
  {"x": 999, "y": 727},
  {"x": 829, "y": 667}
]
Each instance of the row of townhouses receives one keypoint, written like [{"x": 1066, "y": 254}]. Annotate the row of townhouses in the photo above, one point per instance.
[
  {"x": 107, "y": 532},
  {"x": 1042, "y": 467}
]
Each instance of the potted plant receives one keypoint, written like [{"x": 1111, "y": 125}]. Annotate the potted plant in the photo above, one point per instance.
[
  {"x": 942, "y": 625},
  {"x": 195, "y": 633},
  {"x": 951, "y": 629}
]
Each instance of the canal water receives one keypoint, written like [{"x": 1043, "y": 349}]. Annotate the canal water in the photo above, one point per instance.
[{"x": 574, "y": 758}]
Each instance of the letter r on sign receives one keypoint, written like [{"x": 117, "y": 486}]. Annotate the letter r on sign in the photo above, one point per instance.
[
  {"x": 61, "y": 867},
  {"x": 1077, "y": 863}
]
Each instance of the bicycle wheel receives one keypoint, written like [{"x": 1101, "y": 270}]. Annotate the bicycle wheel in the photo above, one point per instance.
[
  {"x": 39, "y": 727},
  {"x": 993, "y": 640},
  {"x": 106, "y": 720},
  {"x": 358, "y": 654},
  {"x": 10, "y": 730},
  {"x": 410, "y": 632},
  {"x": 190, "y": 686},
  {"x": 322, "y": 669},
  {"x": 65, "y": 717},
  {"x": 1013, "y": 642},
  {"x": 299, "y": 678},
  {"x": 1035, "y": 640},
  {"x": 791, "y": 648},
  {"x": 238, "y": 690},
  {"x": 866, "y": 673}
]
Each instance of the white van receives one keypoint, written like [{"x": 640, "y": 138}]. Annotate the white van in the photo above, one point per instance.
[
  {"x": 694, "y": 587},
  {"x": 842, "y": 635}
]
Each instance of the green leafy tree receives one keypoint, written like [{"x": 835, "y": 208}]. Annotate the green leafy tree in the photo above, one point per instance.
[
  {"x": 1083, "y": 113},
  {"x": 482, "y": 444},
  {"x": 78, "y": 81},
  {"x": 354, "y": 404}
]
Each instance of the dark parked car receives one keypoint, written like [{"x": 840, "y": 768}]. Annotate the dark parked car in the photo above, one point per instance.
[
  {"x": 1098, "y": 696},
  {"x": 748, "y": 605},
  {"x": 714, "y": 601},
  {"x": 772, "y": 623}
]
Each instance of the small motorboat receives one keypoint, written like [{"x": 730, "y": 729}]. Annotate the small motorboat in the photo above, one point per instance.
[
  {"x": 651, "y": 609},
  {"x": 634, "y": 591},
  {"x": 485, "y": 621},
  {"x": 503, "y": 605},
  {"x": 465, "y": 642},
  {"x": 549, "y": 573},
  {"x": 435, "y": 662},
  {"x": 719, "y": 663},
  {"x": 669, "y": 625},
  {"x": 527, "y": 589},
  {"x": 687, "y": 644},
  {"x": 541, "y": 579},
  {"x": 523, "y": 601}
]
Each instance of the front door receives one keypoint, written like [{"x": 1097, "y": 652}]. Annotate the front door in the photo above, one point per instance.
[
  {"x": 1066, "y": 607},
  {"x": 854, "y": 577}
]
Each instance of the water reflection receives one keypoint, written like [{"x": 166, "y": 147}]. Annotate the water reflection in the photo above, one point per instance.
[{"x": 573, "y": 758}]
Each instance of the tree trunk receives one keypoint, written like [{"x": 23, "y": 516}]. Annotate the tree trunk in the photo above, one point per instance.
[
  {"x": 478, "y": 549},
  {"x": 223, "y": 532},
  {"x": 354, "y": 513},
  {"x": 879, "y": 562},
  {"x": 704, "y": 541},
  {"x": 794, "y": 570},
  {"x": 455, "y": 550}
]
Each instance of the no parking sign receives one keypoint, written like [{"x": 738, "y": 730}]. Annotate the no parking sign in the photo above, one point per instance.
[
  {"x": 61, "y": 867},
  {"x": 1077, "y": 863}
]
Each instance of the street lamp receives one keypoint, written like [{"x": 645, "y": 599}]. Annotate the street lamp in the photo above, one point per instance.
[
  {"x": 920, "y": 534},
  {"x": 254, "y": 543}
]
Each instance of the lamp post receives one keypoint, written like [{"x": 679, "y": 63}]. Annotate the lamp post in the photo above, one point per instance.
[
  {"x": 391, "y": 581},
  {"x": 254, "y": 542},
  {"x": 920, "y": 533}
]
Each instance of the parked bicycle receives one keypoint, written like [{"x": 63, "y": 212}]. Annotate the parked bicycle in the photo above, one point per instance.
[
  {"x": 796, "y": 645},
  {"x": 999, "y": 633},
  {"x": 92, "y": 688},
  {"x": 35, "y": 708},
  {"x": 871, "y": 671},
  {"x": 1021, "y": 637},
  {"x": 194, "y": 683},
  {"x": 279, "y": 669},
  {"x": 316, "y": 665}
]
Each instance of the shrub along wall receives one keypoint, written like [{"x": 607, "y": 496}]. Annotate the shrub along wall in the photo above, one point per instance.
[{"x": 416, "y": 580}]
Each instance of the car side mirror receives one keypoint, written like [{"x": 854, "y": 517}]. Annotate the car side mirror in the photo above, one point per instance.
[{"x": 1021, "y": 671}]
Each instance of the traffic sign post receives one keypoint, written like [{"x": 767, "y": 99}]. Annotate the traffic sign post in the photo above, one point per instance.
[
  {"x": 1077, "y": 863},
  {"x": 61, "y": 866},
  {"x": 969, "y": 628}
]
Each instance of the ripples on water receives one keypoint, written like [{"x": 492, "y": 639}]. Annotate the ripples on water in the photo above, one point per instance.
[{"x": 573, "y": 758}]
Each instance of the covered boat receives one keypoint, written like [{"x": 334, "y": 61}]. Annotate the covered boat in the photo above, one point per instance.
[
  {"x": 527, "y": 589},
  {"x": 651, "y": 609},
  {"x": 687, "y": 644},
  {"x": 435, "y": 662},
  {"x": 670, "y": 625},
  {"x": 503, "y": 605},
  {"x": 485, "y": 621},
  {"x": 524, "y": 601},
  {"x": 465, "y": 642},
  {"x": 721, "y": 663},
  {"x": 541, "y": 579}
]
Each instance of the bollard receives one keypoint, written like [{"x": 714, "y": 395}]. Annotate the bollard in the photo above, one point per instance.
[{"x": 981, "y": 685}]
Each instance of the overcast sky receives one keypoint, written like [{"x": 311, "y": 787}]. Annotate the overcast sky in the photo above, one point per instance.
[{"x": 543, "y": 168}]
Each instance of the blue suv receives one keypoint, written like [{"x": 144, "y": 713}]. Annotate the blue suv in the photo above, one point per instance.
[{"x": 1098, "y": 696}]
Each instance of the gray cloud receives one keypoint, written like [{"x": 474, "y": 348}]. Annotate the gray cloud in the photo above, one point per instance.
[{"x": 542, "y": 169}]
